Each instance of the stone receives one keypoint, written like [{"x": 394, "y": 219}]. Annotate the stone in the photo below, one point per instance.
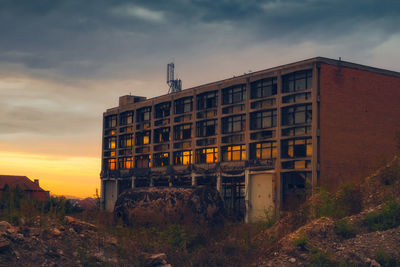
[
  {"x": 374, "y": 263},
  {"x": 4, "y": 226},
  {"x": 4, "y": 244},
  {"x": 156, "y": 260},
  {"x": 292, "y": 260},
  {"x": 56, "y": 232}
]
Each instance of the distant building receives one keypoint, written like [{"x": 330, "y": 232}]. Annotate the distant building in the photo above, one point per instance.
[
  {"x": 31, "y": 188},
  {"x": 262, "y": 139}
]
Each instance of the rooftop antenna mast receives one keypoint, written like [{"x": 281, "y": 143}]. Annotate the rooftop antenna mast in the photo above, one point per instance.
[{"x": 175, "y": 85}]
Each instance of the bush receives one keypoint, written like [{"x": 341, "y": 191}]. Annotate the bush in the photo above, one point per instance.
[
  {"x": 345, "y": 229},
  {"x": 385, "y": 259},
  {"x": 390, "y": 174},
  {"x": 320, "y": 259},
  {"x": 346, "y": 202},
  {"x": 301, "y": 242},
  {"x": 388, "y": 217}
]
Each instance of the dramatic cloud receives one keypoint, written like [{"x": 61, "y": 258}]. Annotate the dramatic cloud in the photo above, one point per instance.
[{"x": 62, "y": 63}]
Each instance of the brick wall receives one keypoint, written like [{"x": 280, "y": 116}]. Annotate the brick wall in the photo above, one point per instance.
[{"x": 359, "y": 115}]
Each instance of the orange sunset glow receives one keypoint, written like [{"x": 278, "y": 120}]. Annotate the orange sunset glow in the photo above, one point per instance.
[{"x": 76, "y": 176}]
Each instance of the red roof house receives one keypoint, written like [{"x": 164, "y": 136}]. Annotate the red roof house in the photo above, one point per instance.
[{"x": 31, "y": 188}]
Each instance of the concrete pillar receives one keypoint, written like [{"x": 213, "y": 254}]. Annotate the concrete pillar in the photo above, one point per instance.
[
  {"x": 102, "y": 195},
  {"x": 116, "y": 188},
  {"x": 219, "y": 183},
  {"x": 193, "y": 179},
  {"x": 247, "y": 194},
  {"x": 151, "y": 182}
]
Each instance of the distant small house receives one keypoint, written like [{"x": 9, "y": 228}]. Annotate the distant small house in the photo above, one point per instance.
[{"x": 31, "y": 188}]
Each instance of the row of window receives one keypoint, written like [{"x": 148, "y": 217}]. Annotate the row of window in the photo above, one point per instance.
[
  {"x": 290, "y": 149},
  {"x": 258, "y": 120},
  {"x": 297, "y": 81}
]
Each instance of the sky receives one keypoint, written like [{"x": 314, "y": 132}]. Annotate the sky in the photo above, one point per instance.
[{"x": 64, "y": 62}]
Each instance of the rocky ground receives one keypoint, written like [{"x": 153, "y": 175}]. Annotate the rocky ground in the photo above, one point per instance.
[
  {"x": 360, "y": 250},
  {"x": 70, "y": 243}
]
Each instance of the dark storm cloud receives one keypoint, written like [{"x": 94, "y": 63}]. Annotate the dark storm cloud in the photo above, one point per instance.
[{"x": 84, "y": 38}]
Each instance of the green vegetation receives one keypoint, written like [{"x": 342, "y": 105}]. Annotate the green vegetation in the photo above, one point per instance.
[
  {"x": 388, "y": 217},
  {"x": 17, "y": 208},
  {"x": 345, "y": 229},
  {"x": 347, "y": 201},
  {"x": 389, "y": 174},
  {"x": 301, "y": 242},
  {"x": 319, "y": 258},
  {"x": 385, "y": 259}
]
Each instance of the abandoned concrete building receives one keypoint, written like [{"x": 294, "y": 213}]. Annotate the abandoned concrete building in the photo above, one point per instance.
[{"x": 261, "y": 139}]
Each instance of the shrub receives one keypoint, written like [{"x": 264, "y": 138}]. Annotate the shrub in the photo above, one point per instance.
[
  {"x": 348, "y": 200},
  {"x": 390, "y": 174},
  {"x": 320, "y": 259},
  {"x": 385, "y": 259},
  {"x": 301, "y": 242},
  {"x": 388, "y": 217},
  {"x": 326, "y": 205},
  {"x": 176, "y": 236},
  {"x": 345, "y": 229}
]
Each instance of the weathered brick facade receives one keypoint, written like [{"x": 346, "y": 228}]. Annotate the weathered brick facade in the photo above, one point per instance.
[{"x": 262, "y": 139}]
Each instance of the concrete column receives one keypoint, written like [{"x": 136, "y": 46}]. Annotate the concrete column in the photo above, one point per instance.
[
  {"x": 102, "y": 195},
  {"x": 219, "y": 183},
  {"x": 246, "y": 197},
  {"x": 116, "y": 189},
  {"x": 193, "y": 179},
  {"x": 151, "y": 182}
]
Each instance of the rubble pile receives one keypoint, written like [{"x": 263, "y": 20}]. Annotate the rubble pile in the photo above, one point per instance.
[
  {"x": 174, "y": 205},
  {"x": 69, "y": 243}
]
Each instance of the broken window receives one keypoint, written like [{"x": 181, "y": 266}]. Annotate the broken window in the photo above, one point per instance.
[
  {"x": 184, "y": 157},
  {"x": 234, "y": 94},
  {"x": 233, "y": 152},
  {"x": 125, "y": 140},
  {"x": 294, "y": 188},
  {"x": 143, "y": 138},
  {"x": 207, "y": 155},
  {"x": 111, "y": 164},
  {"x": 295, "y": 131},
  {"x": 233, "y": 124},
  {"x": 263, "y": 119},
  {"x": 183, "y": 131},
  {"x": 233, "y": 193},
  {"x": 161, "y": 135},
  {"x": 143, "y": 161},
  {"x": 126, "y": 118},
  {"x": 125, "y": 163},
  {"x": 296, "y": 148},
  {"x": 206, "y": 128},
  {"x": 111, "y": 121},
  {"x": 263, "y": 88},
  {"x": 162, "y": 110},
  {"x": 207, "y": 100},
  {"x": 161, "y": 159},
  {"x": 110, "y": 142},
  {"x": 297, "y": 81},
  {"x": 296, "y": 98},
  {"x": 143, "y": 114},
  {"x": 263, "y": 150},
  {"x": 297, "y": 114},
  {"x": 183, "y": 105}
]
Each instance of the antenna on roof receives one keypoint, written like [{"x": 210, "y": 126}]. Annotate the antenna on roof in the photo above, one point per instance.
[{"x": 175, "y": 85}]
